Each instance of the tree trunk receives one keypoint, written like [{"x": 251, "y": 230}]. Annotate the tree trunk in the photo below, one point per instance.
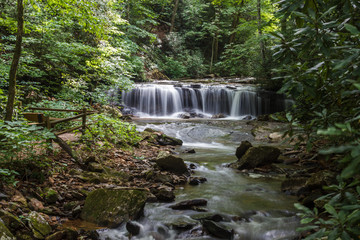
[
  {"x": 212, "y": 54},
  {"x": 262, "y": 46},
  {"x": 174, "y": 15},
  {"x": 15, "y": 61}
]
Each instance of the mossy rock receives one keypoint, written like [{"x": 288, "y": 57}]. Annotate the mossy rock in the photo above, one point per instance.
[
  {"x": 11, "y": 221},
  {"x": 39, "y": 225},
  {"x": 5, "y": 233},
  {"x": 257, "y": 156},
  {"x": 241, "y": 150},
  {"x": 171, "y": 163},
  {"x": 111, "y": 207},
  {"x": 51, "y": 196}
]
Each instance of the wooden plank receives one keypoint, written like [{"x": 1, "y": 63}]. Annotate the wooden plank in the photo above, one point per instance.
[
  {"x": 34, "y": 117},
  {"x": 67, "y": 119},
  {"x": 59, "y": 110},
  {"x": 68, "y": 130}
]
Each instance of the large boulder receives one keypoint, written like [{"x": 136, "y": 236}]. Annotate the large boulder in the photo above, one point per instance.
[
  {"x": 218, "y": 230},
  {"x": 39, "y": 225},
  {"x": 241, "y": 150},
  {"x": 257, "y": 156},
  {"x": 171, "y": 163},
  {"x": 167, "y": 140},
  {"x": 5, "y": 233},
  {"x": 111, "y": 207}
]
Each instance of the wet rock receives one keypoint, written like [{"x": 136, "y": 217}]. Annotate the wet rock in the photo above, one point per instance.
[
  {"x": 195, "y": 86},
  {"x": 192, "y": 166},
  {"x": 219, "y": 115},
  {"x": 209, "y": 216},
  {"x": 39, "y": 225},
  {"x": 165, "y": 194},
  {"x": 248, "y": 117},
  {"x": 188, "y": 150},
  {"x": 241, "y": 150},
  {"x": 184, "y": 115},
  {"x": 197, "y": 180},
  {"x": 293, "y": 185},
  {"x": 182, "y": 223},
  {"x": 319, "y": 179},
  {"x": 189, "y": 204},
  {"x": 5, "y": 232},
  {"x": 111, "y": 207},
  {"x": 167, "y": 140},
  {"x": 133, "y": 228},
  {"x": 257, "y": 156},
  {"x": 67, "y": 234},
  {"x": 51, "y": 196},
  {"x": 171, "y": 163},
  {"x": 217, "y": 230}
]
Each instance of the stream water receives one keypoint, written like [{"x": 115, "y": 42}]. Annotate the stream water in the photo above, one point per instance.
[{"x": 253, "y": 204}]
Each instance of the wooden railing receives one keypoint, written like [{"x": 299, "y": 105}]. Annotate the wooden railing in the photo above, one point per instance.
[{"x": 49, "y": 122}]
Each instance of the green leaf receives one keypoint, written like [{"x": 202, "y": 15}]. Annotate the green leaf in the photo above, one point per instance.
[
  {"x": 352, "y": 28},
  {"x": 330, "y": 209},
  {"x": 351, "y": 169}
]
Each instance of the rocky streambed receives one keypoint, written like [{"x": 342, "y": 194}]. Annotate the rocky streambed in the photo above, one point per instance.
[{"x": 238, "y": 181}]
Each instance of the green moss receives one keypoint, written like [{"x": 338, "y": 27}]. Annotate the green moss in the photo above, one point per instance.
[
  {"x": 111, "y": 207},
  {"x": 51, "y": 196},
  {"x": 39, "y": 225},
  {"x": 5, "y": 234}
]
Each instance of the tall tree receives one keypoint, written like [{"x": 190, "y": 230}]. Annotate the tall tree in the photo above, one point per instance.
[
  {"x": 174, "y": 15},
  {"x": 15, "y": 61}
]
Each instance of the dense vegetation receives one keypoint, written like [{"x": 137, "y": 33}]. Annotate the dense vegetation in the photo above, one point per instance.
[{"x": 74, "y": 51}]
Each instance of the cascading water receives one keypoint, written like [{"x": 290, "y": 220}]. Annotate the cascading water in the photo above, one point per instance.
[{"x": 201, "y": 100}]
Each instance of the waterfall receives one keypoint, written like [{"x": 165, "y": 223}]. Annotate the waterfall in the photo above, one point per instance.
[{"x": 168, "y": 100}]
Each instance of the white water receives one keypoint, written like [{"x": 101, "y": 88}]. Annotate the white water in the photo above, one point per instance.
[
  {"x": 201, "y": 101},
  {"x": 228, "y": 192}
]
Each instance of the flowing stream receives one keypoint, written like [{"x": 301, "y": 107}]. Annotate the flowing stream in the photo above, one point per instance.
[
  {"x": 252, "y": 204},
  {"x": 249, "y": 204}
]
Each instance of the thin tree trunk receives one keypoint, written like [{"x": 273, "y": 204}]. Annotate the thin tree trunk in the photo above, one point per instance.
[
  {"x": 174, "y": 15},
  {"x": 262, "y": 46},
  {"x": 212, "y": 54},
  {"x": 15, "y": 61}
]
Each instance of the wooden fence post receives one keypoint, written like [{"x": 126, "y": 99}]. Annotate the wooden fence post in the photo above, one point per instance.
[
  {"x": 48, "y": 126},
  {"x": 84, "y": 121}
]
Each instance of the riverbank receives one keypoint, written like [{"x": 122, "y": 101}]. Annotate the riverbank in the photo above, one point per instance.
[{"x": 60, "y": 198}]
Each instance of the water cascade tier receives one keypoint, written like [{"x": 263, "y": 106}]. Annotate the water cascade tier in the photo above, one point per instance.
[{"x": 201, "y": 100}]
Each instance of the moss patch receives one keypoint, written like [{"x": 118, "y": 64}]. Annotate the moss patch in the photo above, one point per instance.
[{"x": 111, "y": 207}]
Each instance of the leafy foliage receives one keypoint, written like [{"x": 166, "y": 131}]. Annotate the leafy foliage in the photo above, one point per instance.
[
  {"x": 318, "y": 52},
  {"x": 23, "y": 148},
  {"x": 105, "y": 133}
]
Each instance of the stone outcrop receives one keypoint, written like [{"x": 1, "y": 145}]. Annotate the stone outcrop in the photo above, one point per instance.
[
  {"x": 189, "y": 204},
  {"x": 241, "y": 150},
  {"x": 39, "y": 225},
  {"x": 218, "y": 230},
  {"x": 5, "y": 233},
  {"x": 111, "y": 207},
  {"x": 257, "y": 156},
  {"x": 171, "y": 163}
]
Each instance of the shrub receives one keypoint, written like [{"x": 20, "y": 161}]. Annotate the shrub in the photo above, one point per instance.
[{"x": 24, "y": 148}]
